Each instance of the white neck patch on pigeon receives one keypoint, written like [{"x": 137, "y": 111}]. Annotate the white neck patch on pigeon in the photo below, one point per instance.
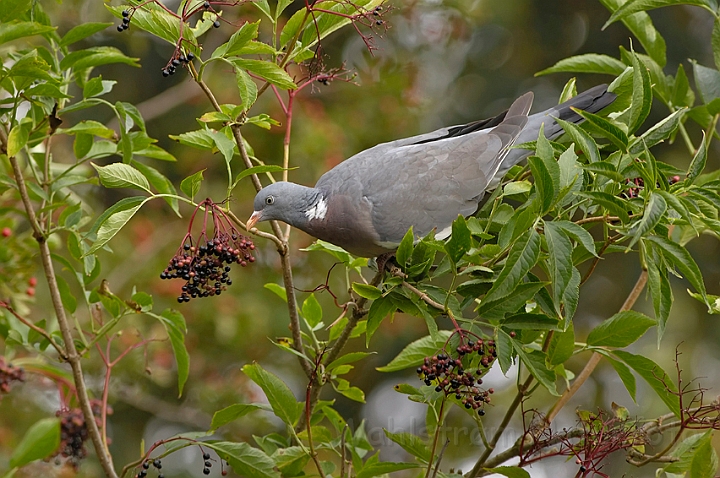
[{"x": 318, "y": 210}]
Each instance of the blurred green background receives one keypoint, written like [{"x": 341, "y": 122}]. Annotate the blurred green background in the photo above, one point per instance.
[{"x": 438, "y": 63}]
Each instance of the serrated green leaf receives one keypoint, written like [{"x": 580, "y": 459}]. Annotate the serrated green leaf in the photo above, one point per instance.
[
  {"x": 559, "y": 260},
  {"x": 96, "y": 56},
  {"x": 13, "y": 9},
  {"x": 174, "y": 323},
  {"x": 582, "y": 139},
  {"x": 642, "y": 27},
  {"x": 414, "y": 353},
  {"x": 658, "y": 132},
  {"x": 654, "y": 212},
  {"x": 119, "y": 175},
  {"x": 620, "y": 330},
  {"x": 587, "y": 63},
  {"x": 18, "y": 138},
  {"x": 609, "y": 130},
  {"x": 112, "y": 223},
  {"x": 14, "y": 30},
  {"x": 697, "y": 165},
  {"x": 244, "y": 459},
  {"x": 655, "y": 376},
  {"x": 367, "y": 291},
  {"x": 232, "y": 413},
  {"x": 633, "y": 6},
  {"x": 311, "y": 310},
  {"x": 522, "y": 257},
  {"x": 707, "y": 81},
  {"x": 562, "y": 346},
  {"x": 411, "y": 443},
  {"x": 535, "y": 363},
  {"x": 379, "y": 309},
  {"x": 681, "y": 258},
  {"x": 266, "y": 70},
  {"x": 402, "y": 254},
  {"x": 191, "y": 184},
  {"x": 628, "y": 379},
  {"x": 281, "y": 399},
  {"x": 613, "y": 204},
  {"x": 460, "y": 240},
  {"x": 81, "y": 31},
  {"x": 642, "y": 95}
]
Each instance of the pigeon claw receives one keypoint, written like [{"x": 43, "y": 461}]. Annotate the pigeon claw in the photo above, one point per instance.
[{"x": 256, "y": 216}]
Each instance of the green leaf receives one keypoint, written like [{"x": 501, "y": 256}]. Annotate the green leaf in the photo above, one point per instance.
[
  {"x": 658, "y": 132},
  {"x": 311, "y": 311},
  {"x": 414, "y": 353},
  {"x": 660, "y": 290},
  {"x": 510, "y": 471},
  {"x": 281, "y": 399},
  {"x": 655, "y": 376},
  {"x": 582, "y": 139},
  {"x": 246, "y": 88},
  {"x": 66, "y": 295},
  {"x": 402, "y": 254},
  {"x": 159, "y": 182},
  {"x": 707, "y": 81},
  {"x": 119, "y": 175},
  {"x": 681, "y": 258},
  {"x": 367, "y": 291},
  {"x": 697, "y": 165},
  {"x": 347, "y": 358},
  {"x": 613, "y": 204},
  {"x": 18, "y": 137},
  {"x": 628, "y": 379},
  {"x": 581, "y": 235},
  {"x": 522, "y": 257},
  {"x": 40, "y": 441},
  {"x": 634, "y": 6},
  {"x": 112, "y": 223},
  {"x": 265, "y": 168},
  {"x": 281, "y": 6},
  {"x": 15, "y": 30},
  {"x": 588, "y": 63},
  {"x": 248, "y": 31},
  {"x": 642, "y": 95},
  {"x": 496, "y": 308},
  {"x": 609, "y": 130},
  {"x": 411, "y": 443},
  {"x": 620, "y": 330},
  {"x": 545, "y": 183},
  {"x": 97, "y": 87},
  {"x": 528, "y": 321},
  {"x": 201, "y": 139},
  {"x": 559, "y": 260},
  {"x": 277, "y": 289},
  {"x": 383, "y": 468},
  {"x": 81, "y": 31},
  {"x": 379, "y": 309},
  {"x": 266, "y": 70},
  {"x": 89, "y": 127},
  {"x": 715, "y": 41},
  {"x": 191, "y": 184},
  {"x": 232, "y": 413},
  {"x": 682, "y": 95},
  {"x": 13, "y": 9},
  {"x": 694, "y": 455},
  {"x": 460, "y": 240},
  {"x": 655, "y": 209},
  {"x": 244, "y": 459},
  {"x": 176, "y": 329},
  {"x": 642, "y": 27},
  {"x": 535, "y": 363},
  {"x": 96, "y": 56},
  {"x": 561, "y": 346}
]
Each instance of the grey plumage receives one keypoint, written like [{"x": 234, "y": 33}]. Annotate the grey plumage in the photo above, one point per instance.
[{"x": 368, "y": 202}]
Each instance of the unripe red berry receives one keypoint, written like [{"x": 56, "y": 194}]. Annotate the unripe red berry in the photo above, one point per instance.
[
  {"x": 30, "y": 291},
  {"x": 6, "y": 232},
  {"x": 32, "y": 282}
]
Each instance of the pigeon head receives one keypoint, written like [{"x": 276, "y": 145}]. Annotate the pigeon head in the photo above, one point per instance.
[{"x": 283, "y": 201}]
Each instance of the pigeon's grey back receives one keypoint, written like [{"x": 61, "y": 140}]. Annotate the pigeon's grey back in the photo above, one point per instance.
[{"x": 426, "y": 181}]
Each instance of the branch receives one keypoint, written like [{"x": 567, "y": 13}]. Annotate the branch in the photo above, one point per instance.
[
  {"x": 595, "y": 358},
  {"x": 39, "y": 330},
  {"x": 71, "y": 352}
]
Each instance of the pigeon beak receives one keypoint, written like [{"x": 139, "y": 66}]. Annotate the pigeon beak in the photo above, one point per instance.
[{"x": 256, "y": 216}]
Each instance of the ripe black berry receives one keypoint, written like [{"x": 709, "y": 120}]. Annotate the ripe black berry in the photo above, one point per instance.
[
  {"x": 206, "y": 471},
  {"x": 190, "y": 56},
  {"x": 125, "y": 13},
  {"x": 206, "y": 456},
  {"x": 216, "y": 24},
  {"x": 157, "y": 463}
]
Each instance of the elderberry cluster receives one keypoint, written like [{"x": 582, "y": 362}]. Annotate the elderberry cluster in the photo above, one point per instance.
[
  {"x": 449, "y": 376},
  {"x": 177, "y": 61},
  {"x": 126, "y": 16},
  {"x": 637, "y": 184},
  {"x": 8, "y": 374},
  {"x": 206, "y": 267},
  {"x": 156, "y": 463},
  {"x": 74, "y": 432}
]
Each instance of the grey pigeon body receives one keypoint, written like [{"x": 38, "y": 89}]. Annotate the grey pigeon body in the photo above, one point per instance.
[{"x": 368, "y": 202}]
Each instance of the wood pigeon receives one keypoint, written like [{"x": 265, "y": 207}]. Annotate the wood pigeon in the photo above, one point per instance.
[{"x": 368, "y": 202}]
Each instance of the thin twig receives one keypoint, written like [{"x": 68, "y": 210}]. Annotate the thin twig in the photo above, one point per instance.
[
  {"x": 39, "y": 330},
  {"x": 70, "y": 351}
]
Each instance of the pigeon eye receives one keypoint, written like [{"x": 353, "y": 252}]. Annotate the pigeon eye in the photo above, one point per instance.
[{"x": 269, "y": 200}]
